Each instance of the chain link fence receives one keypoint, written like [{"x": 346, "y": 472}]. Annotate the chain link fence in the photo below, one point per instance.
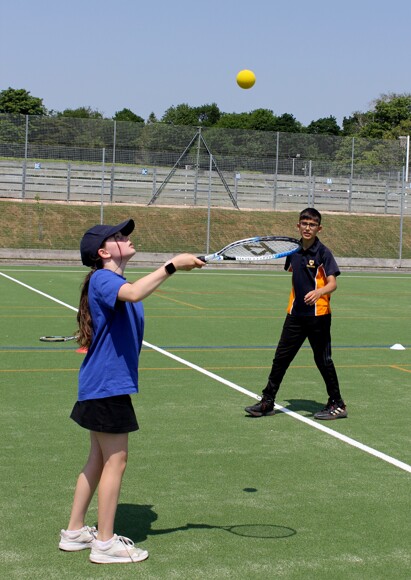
[{"x": 104, "y": 164}]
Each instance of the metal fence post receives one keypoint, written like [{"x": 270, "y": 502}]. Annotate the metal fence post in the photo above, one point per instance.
[
  {"x": 113, "y": 162},
  {"x": 103, "y": 170},
  {"x": 386, "y": 197},
  {"x": 402, "y": 214},
  {"x": 197, "y": 167},
  {"x": 26, "y": 148},
  {"x": 351, "y": 176},
  {"x": 68, "y": 180},
  {"x": 209, "y": 205},
  {"x": 310, "y": 185},
  {"x": 154, "y": 188},
  {"x": 276, "y": 171}
]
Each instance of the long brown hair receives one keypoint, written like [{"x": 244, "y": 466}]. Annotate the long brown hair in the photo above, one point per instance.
[{"x": 85, "y": 323}]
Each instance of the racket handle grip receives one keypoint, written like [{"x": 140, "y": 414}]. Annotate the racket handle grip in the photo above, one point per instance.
[{"x": 202, "y": 258}]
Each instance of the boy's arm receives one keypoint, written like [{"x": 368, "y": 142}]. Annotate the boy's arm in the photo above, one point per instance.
[{"x": 312, "y": 297}]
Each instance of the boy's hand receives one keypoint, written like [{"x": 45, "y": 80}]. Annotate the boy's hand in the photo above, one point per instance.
[{"x": 312, "y": 297}]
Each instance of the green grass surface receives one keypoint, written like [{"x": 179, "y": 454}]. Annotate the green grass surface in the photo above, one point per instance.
[{"x": 210, "y": 492}]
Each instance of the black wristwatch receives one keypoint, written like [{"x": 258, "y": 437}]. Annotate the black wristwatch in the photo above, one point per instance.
[{"x": 170, "y": 268}]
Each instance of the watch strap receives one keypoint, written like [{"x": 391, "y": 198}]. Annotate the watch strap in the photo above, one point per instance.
[{"x": 170, "y": 268}]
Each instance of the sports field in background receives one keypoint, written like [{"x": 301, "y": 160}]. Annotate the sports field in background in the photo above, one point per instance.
[{"x": 210, "y": 492}]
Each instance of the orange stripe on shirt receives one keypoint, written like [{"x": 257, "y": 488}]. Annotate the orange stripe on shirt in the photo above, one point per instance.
[
  {"x": 291, "y": 300},
  {"x": 323, "y": 304}
]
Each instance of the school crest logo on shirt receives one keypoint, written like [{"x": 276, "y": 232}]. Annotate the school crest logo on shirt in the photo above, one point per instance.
[{"x": 311, "y": 264}]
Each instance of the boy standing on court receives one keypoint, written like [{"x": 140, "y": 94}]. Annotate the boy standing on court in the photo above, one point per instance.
[{"x": 314, "y": 272}]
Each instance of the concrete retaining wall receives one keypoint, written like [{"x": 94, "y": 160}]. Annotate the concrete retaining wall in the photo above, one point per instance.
[{"x": 152, "y": 260}]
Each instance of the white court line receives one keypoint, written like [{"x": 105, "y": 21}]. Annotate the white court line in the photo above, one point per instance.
[
  {"x": 310, "y": 422},
  {"x": 38, "y": 292}
]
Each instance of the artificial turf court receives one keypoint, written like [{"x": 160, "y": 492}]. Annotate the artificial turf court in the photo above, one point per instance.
[{"x": 210, "y": 492}]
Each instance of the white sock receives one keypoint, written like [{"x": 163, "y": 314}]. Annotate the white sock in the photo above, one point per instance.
[
  {"x": 103, "y": 545},
  {"x": 72, "y": 533}
]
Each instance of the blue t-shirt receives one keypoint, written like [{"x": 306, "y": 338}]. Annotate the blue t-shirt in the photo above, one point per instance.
[{"x": 111, "y": 365}]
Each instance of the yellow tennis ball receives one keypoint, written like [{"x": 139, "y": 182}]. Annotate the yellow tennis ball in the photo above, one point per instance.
[{"x": 245, "y": 79}]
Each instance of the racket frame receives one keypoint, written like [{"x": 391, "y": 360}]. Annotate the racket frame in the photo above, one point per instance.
[
  {"x": 57, "y": 338},
  {"x": 220, "y": 255}
]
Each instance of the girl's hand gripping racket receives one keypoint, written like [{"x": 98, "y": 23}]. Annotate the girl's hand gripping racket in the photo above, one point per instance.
[{"x": 257, "y": 249}]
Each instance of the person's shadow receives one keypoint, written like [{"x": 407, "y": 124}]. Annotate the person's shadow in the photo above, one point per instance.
[
  {"x": 135, "y": 522},
  {"x": 308, "y": 405}
]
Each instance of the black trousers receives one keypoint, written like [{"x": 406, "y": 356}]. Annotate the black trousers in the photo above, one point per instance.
[{"x": 295, "y": 330}]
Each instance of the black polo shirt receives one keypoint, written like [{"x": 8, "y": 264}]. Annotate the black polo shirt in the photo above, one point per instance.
[{"x": 310, "y": 269}]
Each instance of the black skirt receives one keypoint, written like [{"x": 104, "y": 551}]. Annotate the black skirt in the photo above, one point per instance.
[{"x": 108, "y": 415}]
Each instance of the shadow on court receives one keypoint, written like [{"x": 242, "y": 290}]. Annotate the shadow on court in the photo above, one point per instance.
[
  {"x": 310, "y": 407},
  {"x": 307, "y": 406},
  {"x": 135, "y": 521}
]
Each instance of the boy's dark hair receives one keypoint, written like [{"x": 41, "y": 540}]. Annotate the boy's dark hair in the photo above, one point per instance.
[{"x": 311, "y": 213}]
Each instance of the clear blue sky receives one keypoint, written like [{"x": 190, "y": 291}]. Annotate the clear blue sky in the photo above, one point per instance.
[{"x": 311, "y": 58}]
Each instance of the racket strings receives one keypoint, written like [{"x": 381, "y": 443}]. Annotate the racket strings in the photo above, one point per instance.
[{"x": 261, "y": 249}]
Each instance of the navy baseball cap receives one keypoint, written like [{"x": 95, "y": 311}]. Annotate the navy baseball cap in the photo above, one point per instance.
[{"x": 94, "y": 238}]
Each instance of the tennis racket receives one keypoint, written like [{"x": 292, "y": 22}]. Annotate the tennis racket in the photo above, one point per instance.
[
  {"x": 57, "y": 338},
  {"x": 259, "y": 248}
]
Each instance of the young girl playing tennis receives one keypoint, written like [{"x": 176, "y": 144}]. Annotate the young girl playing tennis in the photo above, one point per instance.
[{"x": 111, "y": 325}]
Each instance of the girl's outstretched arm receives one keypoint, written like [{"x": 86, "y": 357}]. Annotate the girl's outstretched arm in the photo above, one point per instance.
[{"x": 140, "y": 289}]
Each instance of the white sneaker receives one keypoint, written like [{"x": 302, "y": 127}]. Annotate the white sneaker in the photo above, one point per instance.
[
  {"x": 81, "y": 541},
  {"x": 120, "y": 551}
]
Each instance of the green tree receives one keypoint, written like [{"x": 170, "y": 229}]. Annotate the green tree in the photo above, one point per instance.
[
  {"x": 152, "y": 119},
  {"x": 403, "y": 128},
  {"x": 20, "y": 102},
  {"x": 262, "y": 120},
  {"x": 389, "y": 117},
  {"x": 287, "y": 123},
  {"x": 180, "y": 115},
  {"x": 83, "y": 127},
  {"x": 127, "y": 115},
  {"x": 392, "y": 109},
  {"x": 324, "y": 126},
  {"x": 233, "y": 121},
  {"x": 12, "y": 130},
  {"x": 208, "y": 115},
  {"x": 205, "y": 115},
  {"x": 81, "y": 113},
  {"x": 355, "y": 123}
]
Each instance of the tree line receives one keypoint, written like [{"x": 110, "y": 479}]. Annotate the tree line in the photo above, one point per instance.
[{"x": 388, "y": 118}]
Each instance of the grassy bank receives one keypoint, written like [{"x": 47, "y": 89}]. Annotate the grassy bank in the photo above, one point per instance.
[{"x": 41, "y": 225}]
